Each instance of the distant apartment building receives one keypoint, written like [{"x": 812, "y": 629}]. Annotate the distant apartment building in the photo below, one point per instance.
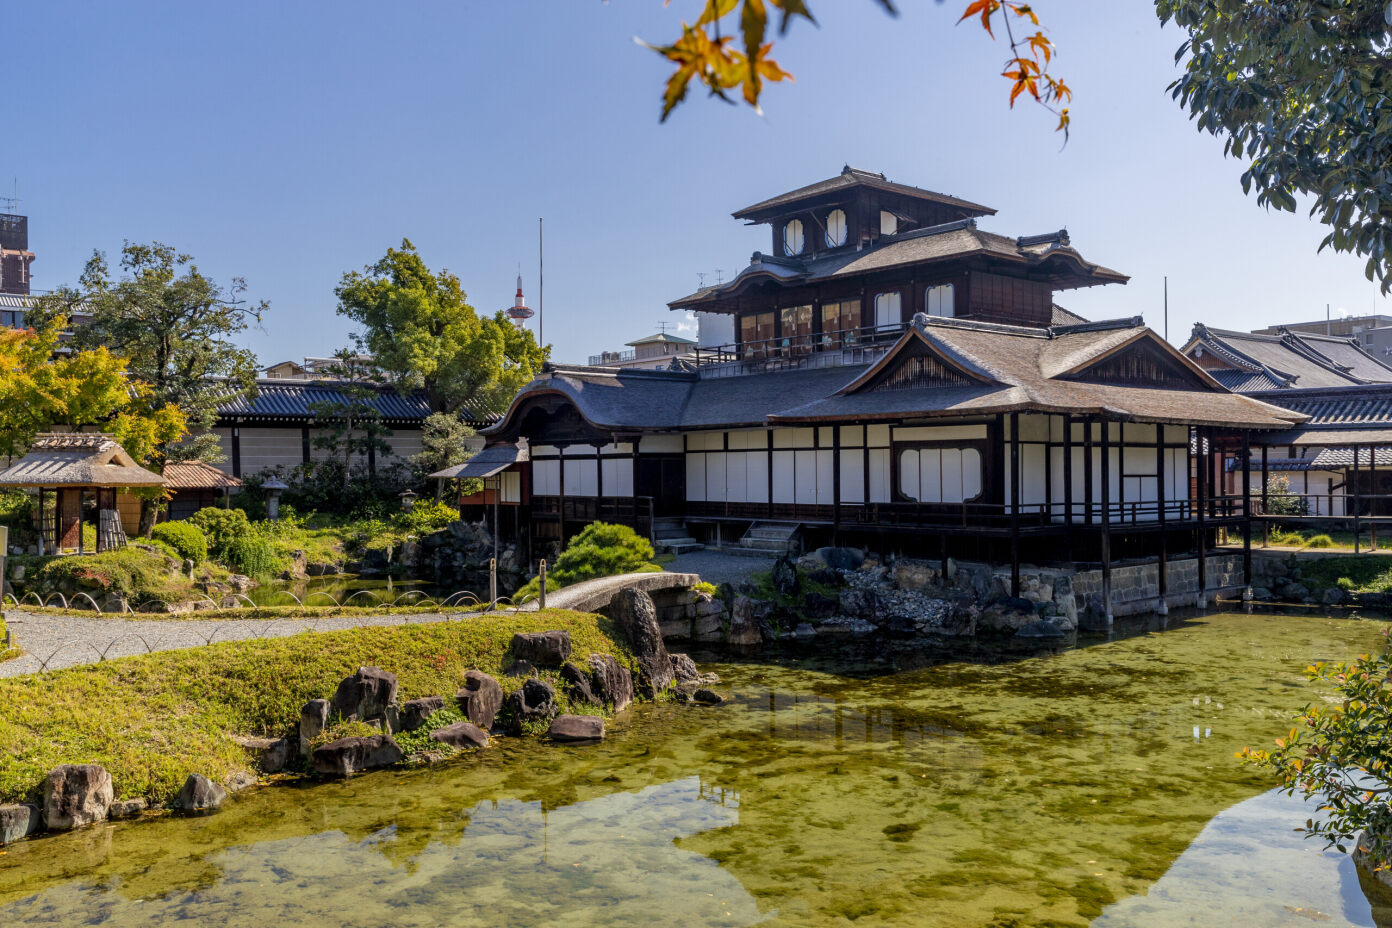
[
  {"x": 15, "y": 256},
  {"x": 654, "y": 352}
]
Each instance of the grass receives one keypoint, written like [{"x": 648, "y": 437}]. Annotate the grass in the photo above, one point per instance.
[
  {"x": 154, "y": 719},
  {"x": 1371, "y": 574},
  {"x": 6, "y": 653},
  {"x": 254, "y": 612},
  {"x": 1339, "y": 540},
  {"x": 136, "y": 572}
]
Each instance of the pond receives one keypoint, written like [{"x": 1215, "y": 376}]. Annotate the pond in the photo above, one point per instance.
[{"x": 1093, "y": 786}]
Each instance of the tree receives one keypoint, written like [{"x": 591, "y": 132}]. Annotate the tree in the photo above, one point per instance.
[
  {"x": 1338, "y": 753},
  {"x": 351, "y": 426},
  {"x": 1299, "y": 89},
  {"x": 173, "y": 326},
  {"x": 443, "y": 439},
  {"x": 76, "y": 389},
  {"x": 423, "y": 334},
  {"x": 707, "y": 51}
]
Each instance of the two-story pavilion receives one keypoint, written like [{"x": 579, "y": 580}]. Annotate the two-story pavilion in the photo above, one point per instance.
[{"x": 957, "y": 421}]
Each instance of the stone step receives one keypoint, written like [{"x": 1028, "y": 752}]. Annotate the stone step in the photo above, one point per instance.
[
  {"x": 777, "y": 545},
  {"x": 683, "y": 546}
]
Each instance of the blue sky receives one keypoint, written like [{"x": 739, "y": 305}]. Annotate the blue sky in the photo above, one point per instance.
[{"x": 287, "y": 143}]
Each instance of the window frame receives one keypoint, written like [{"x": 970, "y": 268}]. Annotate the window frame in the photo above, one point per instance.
[{"x": 897, "y": 449}]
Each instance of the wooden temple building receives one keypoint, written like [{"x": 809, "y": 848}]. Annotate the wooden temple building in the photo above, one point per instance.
[{"x": 900, "y": 379}]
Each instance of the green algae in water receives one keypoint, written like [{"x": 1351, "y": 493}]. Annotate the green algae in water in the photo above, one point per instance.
[{"x": 1046, "y": 791}]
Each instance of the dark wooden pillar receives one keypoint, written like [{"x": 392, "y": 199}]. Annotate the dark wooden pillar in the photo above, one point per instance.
[
  {"x": 1356, "y": 507},
  {"x": 1106, "y": 522},
  {"x": 835, "y": 484},
  {"x": 560, "y": 490},
  {"x": 1372, "y": 497},
  {"x": 1247, "y": 512},
  {"x": 1201, "y": 450},
  {"x": 304, "y": 444},
  {"x": 1161, "y": 564},
  {"x": 1265, "y": 505},
  {"x": 1088, "y": 489},
  {"x": 1015, "y": 504},
  {"x": 1068, "y": 483},
  {"x": 633, "y": 488},
  {"x": 236, "y": 451}
]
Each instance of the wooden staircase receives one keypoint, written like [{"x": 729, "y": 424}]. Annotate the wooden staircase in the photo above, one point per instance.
[{"x": 670, "y": 535}]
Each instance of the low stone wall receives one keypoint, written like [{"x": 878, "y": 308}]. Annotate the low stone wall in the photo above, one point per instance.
[
  {"x": 689, "y": 615},
  {"x": 1136, "y": 587}
]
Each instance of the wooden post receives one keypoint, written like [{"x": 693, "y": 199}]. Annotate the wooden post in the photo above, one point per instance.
[
  {"x": 1266, "y": 510},
  {"x": 1202, "y": 485},
  {"x": 1372, "y": 497},
  {"x": 1161, "y": 565},
  {"x": 835, "y": 484},
  {"x": 1087, "y": 471},
  {"x": 1068, "y": 483},
  {"x": 1356, "y": 526},
  {"x": 1106, "y": 523},
  {"x": 560, "y": 490},
  {"x": 1015, "y": 504},
  {"x": 1247, "y": 514}
]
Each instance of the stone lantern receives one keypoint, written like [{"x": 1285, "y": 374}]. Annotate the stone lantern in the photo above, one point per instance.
[
  {"x": 274, "y": 487},
  {"x": 408, "y": 500}
]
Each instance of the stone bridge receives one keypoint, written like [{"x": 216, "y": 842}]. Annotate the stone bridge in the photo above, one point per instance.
[{"x": 594, "y": 595}]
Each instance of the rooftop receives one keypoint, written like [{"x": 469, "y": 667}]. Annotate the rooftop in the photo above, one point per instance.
[
  {"x": 1258, "y": 362},
  {"x": 850, "y": 178}
]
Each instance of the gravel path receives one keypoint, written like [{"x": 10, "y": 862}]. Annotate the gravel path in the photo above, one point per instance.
[
  {"x": 65, "y": 641},
  {"x": 718, "y": 566}
]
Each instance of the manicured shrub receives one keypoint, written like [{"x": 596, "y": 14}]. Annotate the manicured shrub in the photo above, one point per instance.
[
  {"x": 601, "y": 549},
  {"x": 187, "y": 540},
  {"x": 1320, "y": 541},
  {"x": 221, "y": 527},
  {"x": 428, "y": 516}
]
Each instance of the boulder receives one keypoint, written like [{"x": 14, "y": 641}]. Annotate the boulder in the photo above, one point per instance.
[
  {"x": 827, "y": 576},
  {"x": 862, "y": 604},
  {"x": 520, "y": 669},
  {"x": 128, "y": 808},
  {"x": 368, "y": 695},
  {"x": 804, "y": 630},
  {"x": 784, "y": 577},
  {"x": 535, "y": 700},
  {"x": 414, "y": 712},
  {"x": 817, "y": 606},
  {"x": 314, "y": 718},
  {"x": 238, "y": 780},
  {"x": 571, "y": 728},
  {"x": 746, "y": 617},
  {"x": 707, "y": 697},
  {"x": 76, "y": 795},
  {"x": 200, "y": 794},
  {"x": 543, "y": 649},
  {"x": 299, "y": 567},
  {"x": 272, "y": 754},
  {"x": 914, "y": 575},
  {"x": 1261, "y": 594},
  {"x": 347, "y": 756},
  {"x": 841, "y": 558},
  {"x": 480, "y": 699},
  {"x": 611, "y": 682},
  {"x": 684, "y": 668},
  {"x": 1007, "y": 614},
  {"x": 634, "y": 612},
  {"x": 1040, "y": 628},
  {"x": 1331, "y": 597},
  {"x": 461, "y": 735},
  {"x": 18, "y": 821},
  {"x": 240, "y": 583},
  {"x": 578, "y": 684}
]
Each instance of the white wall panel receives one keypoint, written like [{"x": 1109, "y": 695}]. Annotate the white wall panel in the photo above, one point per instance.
[
  {"x": 852, "y": 476},
  {"x": 879, "y": 474},
  {"x": 696, "y": 477},
  {"x": 660, "y": 444},
  {"x": 546, "y": 478},
  {"x": 939, "y": 432},
  {"x": 784, "y": 482},
  {"x": 826, "y": 478},
  {"x": 878, "y": 436},
  {"x": 1032, "y": 487},
  {"x": 806, "y": 477},
  {"x": 715, "y": 477}
]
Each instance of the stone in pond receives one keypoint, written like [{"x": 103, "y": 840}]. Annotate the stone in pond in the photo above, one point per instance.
[
  {"x": 366, "y": 695},
  {"x": 784, "y": 577},
  {"x": 348, "y": 756},
  {"x": 128, "y": 808},
  {"x": 1040, "y": 628},
  {"x": 480, "y": 699},
  {"x": 684, "y": 668},
  {"x": 707, "y": 697},
  {"x": 634, "y": 612},
  {"x": 17, "y": 821},
  {"x": 76, "y": 795},
  {"x": 414, "y": 712},
  {"x": 571, "y": 728},
  {"x": 535, "y": 700},
  {"x": 542, "y": 649},
  {"x": 461, "y": 735},
  {"x": 200, "y": 794},
  {"x": 314, "y": 718},
  {"x": 611, "y": 681}
]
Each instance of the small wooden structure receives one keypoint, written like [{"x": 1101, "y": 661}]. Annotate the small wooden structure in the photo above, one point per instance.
[
  {"x": 70, "y": 465},
  {"x": 194, "y": 485}
]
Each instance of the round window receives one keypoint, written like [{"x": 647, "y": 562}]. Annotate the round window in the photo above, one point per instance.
[
  {"x": 792, "y": 237},
  {"x": 836, "y": 228}
]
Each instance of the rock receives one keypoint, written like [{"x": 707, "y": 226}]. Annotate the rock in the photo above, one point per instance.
[
  {"x": 842, "y": 558},
  {"x": 746, "y": 616},
  {"x": 366, "y": 695},
  {"x": 18, "y": 821},
  {"x": 240, "y": 583},
  {"x": 804, "y": 630},
  {"x": 480, "y": 699},
  {"x": 128, "y": 808},
  {"x": 347, "y": 756},
  {"x": 1262, "y": 594},
  {"x": 571, "y": 728},
  {"x": 577, "y": 682},
  {"x": 845, "y": 624},
  {"x": 1296, "y": 591},
  {"x": 863, "y": 604},
  {"x": 414, "y": 712},
  {"x": 611, "y": 682},
  {"x": 817, "y": 606},
  {"x": 707, "y": 697},
  {"x": 535, "y": 700},
  {"x": 543, "y": 649},
  {"x": 520, "y": 669},
  {"x": 17, "y": 572},
  {"x": 911, "y": 574},
  {"x": 1007, "y": 615},
  {"x": 314, "y": 718},
  {"x": 200, "y": 794},
  {"x": 299, "y": 567},
  {"x": 784, "y": 577},
  {"x": 76, "y": 795},
  {"x": 272, "y": 754},
  {"x": 827, "y": 576},
  {"x": 239, "y": 780},
  {"x": 461, "y": 735},
  {"x": 634, "y": 612},
  {"x": 1040, "y": 628},
  {"x": 684, "y": 668},
  {"x": 1331, "y": 597},
  {"x": 811, "y": 562}
]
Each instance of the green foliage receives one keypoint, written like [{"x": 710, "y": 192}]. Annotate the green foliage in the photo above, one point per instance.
[
  {"x": 1300, "y": 92},
  {"x": 418, "y": 741},
  {"x": 1345, "y": 584},
  {"x": 338, "y": 728},
  {"x": 187, "y": 540},
  {"x": 17, "y": 514},
  {"x": 602, "y": 549},
  {"x": 136, "y": 572},
  {"x": 1338, "y": 753},
  {"x": 154, "y": 719},
  {"x": 1364, "y": 574},
  {"x": 251, "y": 555},
  {"x": 221, "y": 527},
  {"x": 1319, "y": 541},
  {"x": 5, "y": 653},
  {"x": 1280, "y": 501},
  {"x": 1285, "y": 538},
  {"x": 419, "y": 329},
  {"x": 442, "y": 444},
  {"x": 427, "y": 516},
  {"x": 709, "y": 589}
]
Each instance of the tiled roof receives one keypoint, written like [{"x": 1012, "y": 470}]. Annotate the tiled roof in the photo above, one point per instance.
[
  {"x": 293, "y": 400},
  {"x": 1006, "y": 369},
  {"x": 195, "y": 475},
  {"x": 491, "y": 460},
  {"x": 1294, "y": 360},
  {"x": 851, "y": 177},
  {"x": 1063, "y": 316},
  {"x": 1339, "y": 458},
  {"x": 72, "y": 459},
  {"x": 1342, "y": 408},
  {"x": 1246, "y": 381}
]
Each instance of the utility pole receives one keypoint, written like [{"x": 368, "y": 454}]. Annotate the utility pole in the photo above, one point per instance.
[
  {"x": 541, "y": 283},
  {"x": 1167, "y": 307}
]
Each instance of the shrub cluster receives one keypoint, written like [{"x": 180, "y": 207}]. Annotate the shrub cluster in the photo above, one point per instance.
[
  {"x": 187, "y": 541},
  {"x": 602, "y": 549}
]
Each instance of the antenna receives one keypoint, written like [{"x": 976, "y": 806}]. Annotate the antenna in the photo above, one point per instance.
[
  {"x": 541, "y": 283},
  {"x": 701, "y": 276},
  {"x": 11, "y": 204},
  {"x": 719, "y": 276},
  {"x": 1167, "y": 307},
  {"x": 662, "y": 327}
]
